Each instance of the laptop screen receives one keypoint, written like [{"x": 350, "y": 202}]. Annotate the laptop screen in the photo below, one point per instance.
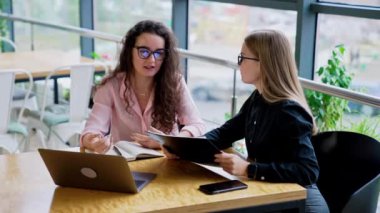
[{"x": 93, "y": 171}]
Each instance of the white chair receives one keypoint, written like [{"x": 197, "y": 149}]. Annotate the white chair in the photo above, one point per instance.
[
  {"x": 19, "y": 94},
  {"x": 57, "y": 119},
  {"x": 10, "y": 130}
]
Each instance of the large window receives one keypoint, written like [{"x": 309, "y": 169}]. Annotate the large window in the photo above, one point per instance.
[
  {"x": 361, "y": 39},
  {"x": 58, "y": 12},
  {"x": 118, "y": 16},
  {"x": 218, "y": 30},
  {"x": 358, "y": 2}
]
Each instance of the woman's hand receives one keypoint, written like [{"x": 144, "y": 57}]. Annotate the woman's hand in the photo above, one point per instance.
[
  {"x": 96, "y": 143},
  {"x": 169, "y": 155},
  {"x": 232, "y": 163},
  {"x": 145, "y": 141}
]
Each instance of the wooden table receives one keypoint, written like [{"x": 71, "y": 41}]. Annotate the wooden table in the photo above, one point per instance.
[
  {"x": 26, "y": 186},
  {"x": 41, "y": 63}
]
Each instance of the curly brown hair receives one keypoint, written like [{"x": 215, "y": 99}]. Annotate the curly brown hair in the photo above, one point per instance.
[{"x": 167, "y": 80}]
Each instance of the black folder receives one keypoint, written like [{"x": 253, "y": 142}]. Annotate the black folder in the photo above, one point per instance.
[{"x": 194, "y": 149}]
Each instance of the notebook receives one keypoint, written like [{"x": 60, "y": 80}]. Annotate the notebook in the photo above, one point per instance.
[
  {"x": 194, "y": 149},
  {"x": 93, "y": 171},
  {"x": 133, "y": 151}
]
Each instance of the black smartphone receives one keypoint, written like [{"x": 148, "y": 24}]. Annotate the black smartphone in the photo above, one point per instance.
[{"x": 225, "y": 186}]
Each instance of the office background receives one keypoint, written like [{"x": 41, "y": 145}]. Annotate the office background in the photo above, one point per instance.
[{"x": 216, "y": 29}]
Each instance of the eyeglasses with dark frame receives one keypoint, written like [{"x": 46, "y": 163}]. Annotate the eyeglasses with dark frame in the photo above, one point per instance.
[
  {"x": 241, "y": 58},
  {"x": 145, "y": 52}
]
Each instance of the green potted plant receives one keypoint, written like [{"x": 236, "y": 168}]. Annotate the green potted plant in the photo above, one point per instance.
[
  {"x": 367, "y": 126},
  {"x": 328, "y": 110}
]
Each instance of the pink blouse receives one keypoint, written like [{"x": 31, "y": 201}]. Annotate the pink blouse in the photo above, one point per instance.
[{"x": 109, "y": 112}]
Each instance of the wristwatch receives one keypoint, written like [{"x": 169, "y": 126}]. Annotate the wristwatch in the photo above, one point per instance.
[{"x": 252, "y": 170}]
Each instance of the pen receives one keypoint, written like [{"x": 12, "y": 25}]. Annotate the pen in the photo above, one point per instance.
[{"x": 82, "y": 149}]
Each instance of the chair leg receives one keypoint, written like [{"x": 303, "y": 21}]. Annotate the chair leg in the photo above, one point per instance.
[
  {"x": 49, "y": 134},
  {"x": 27, "y": 144},
  {"x": 41, "y": 137},
  {"x": 60, "y": 138},
  {"x": 74, "y": 140},
  {"x": 41, "y": 131},
  {"x": 22, "y": 143},
  {"x": 19, "y": 141}
]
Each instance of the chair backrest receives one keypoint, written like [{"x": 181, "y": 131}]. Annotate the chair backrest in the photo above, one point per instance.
[
  {"x": 6, "y": 93},
  {"x": 7, "y": 80},
  {"x": 365, "y": 199},
  {"x": 348, "y": 163},
  {"x": 10, "y": 42},
  {"x": 81, "y": 77}
]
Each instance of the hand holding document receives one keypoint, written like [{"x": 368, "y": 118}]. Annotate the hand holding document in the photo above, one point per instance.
[
  {"x": 195, "y": 149},
  {"x": 147, "y": 141}
]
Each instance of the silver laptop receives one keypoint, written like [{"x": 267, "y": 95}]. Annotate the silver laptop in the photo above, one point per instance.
[{"x": 93, "y": 171}]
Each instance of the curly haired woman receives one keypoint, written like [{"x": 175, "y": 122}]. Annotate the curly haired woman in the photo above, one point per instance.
[{"x": 146, "y": 90}]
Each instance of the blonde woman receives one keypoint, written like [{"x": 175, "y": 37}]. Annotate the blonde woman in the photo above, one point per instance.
[{"x": 275, "y": 121}]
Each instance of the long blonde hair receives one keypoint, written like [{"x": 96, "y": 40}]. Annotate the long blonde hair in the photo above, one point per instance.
[{"x": 279, "y": 74}]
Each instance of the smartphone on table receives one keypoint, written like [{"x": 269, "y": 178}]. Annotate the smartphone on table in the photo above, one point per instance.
[{"x": 225, "y": 186}]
